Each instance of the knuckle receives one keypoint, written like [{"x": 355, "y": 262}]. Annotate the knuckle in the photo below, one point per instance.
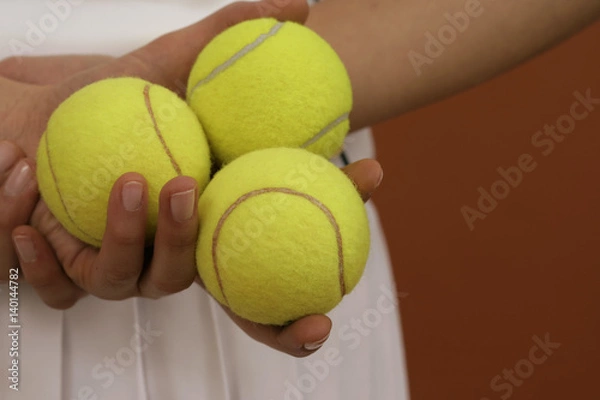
[
  {"x": 174, "y": 285},
  {"x": 41, "y": 280},
  {"x": 135, "y": 63},
  {"x": 63, "y": 303},
  {"x": 8, "y": 219},
  {"x": 181, "y": 242},
  {"x": 299, "y": 353},
  {"x": 139, "y": 63},
  {"x": 126, "y": 235},
  {"x": 14, "y": 213},
  {"x": 120, "y": 277}
]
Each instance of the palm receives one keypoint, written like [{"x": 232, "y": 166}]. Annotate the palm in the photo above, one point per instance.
[
  {"x": 17, "y": 111},
  {"x": 35, "y": 94},
  {"x": 119, "y": 270}
]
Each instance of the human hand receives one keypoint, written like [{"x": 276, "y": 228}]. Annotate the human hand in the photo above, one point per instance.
[
  {"x": 31, "y": 90},
  {"x": 308, "y": 334},
  {"x": 18, "y": 196},
  {"x": 32, "y": 87},
  {"x": 87, "y": 264},
  {"x": 121, "y": 268}
]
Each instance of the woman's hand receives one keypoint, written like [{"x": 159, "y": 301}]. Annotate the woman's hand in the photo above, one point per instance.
[
  {"x": 307, "y": 335},
  {"x": 32, "y": 87},
  {"x": 62, "y": 264},
  {"x": 18, "y": 196},
  {"x": 60, "y": 267}
]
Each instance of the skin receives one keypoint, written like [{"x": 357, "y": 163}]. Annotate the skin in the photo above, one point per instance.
[
  {"x": 374, "y": 38},
  {"x": 61, "y": 268},
  {"x": 506, "y": 34}
]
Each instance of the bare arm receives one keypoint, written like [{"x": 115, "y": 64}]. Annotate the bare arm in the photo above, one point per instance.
[{"x": 396, "y": 66}]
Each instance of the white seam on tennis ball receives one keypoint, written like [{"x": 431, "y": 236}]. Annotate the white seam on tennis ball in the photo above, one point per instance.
[
  {"x": 245, "y": 50},
  {"x": 326, "y": 130}
]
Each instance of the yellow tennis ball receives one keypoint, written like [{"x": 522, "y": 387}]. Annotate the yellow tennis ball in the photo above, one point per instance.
[
  {"x": 109, "y": 128},
  {"x": 264, "y": 83},
  {"x": 284, "y": 234}
]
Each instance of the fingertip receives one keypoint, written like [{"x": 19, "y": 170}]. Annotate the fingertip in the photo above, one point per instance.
[
  {"x": 175, "y": 241},
  {"x": 306, "y": 335},
  {"x": 178, "y": 185},
  {"x": 21, "y": 183},
  {"x": 367, "y": 175},
  {"x": 121, "y": 257},
  {"x": 289, "y": 10},
  {"x": 127, "y": 209},
  {"x": 282, "y": 10},
  {"x": 24, "y": 240},
  {"x": 127, "y": 177},
  {"x": 42, "y": 271},
  {"x": 9, "y": 155},
  {"x": 179, "y": 199},
  {"x": 130, "y": 192}
]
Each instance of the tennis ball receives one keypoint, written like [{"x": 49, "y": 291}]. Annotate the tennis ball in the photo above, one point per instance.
[
  {"x": 264, "y": 83},
  {"x": 109, "y": 128},
  {"x": 284, "y": 234}
]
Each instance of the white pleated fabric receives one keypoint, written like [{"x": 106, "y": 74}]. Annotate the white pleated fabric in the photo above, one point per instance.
[{"x": 184, "y": 346}]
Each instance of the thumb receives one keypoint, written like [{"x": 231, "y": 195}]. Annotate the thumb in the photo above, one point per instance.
[{"x": 167, "y": 61}]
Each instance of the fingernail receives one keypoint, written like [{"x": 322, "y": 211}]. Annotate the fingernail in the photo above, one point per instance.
[
  {"x": 380, "y": 179},
  {"x": 182, "y": 205},
  {"x": 8, "y": 156},
  {"x": 316, "y": 345},
  {"x": 25, "y": 248},
  {"x": 132, "y": 196},
  {"x": 18, "y": 180}
]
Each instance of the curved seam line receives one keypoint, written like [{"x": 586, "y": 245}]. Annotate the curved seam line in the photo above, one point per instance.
[
  {"x": 241, "y": 53},
  {"x": 254, "y": 193},
  {"x": 326, "y": 130}
]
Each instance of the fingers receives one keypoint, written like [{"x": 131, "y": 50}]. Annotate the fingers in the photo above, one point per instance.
[
  {"x": 173, "y": 266},
  {"x": 42, "y": 270},
  {"x": 47, "y": 70},
  {"x": 305, "y": 336},
  {"x": 367, "y": 175},
  {"x": 116, "y": 271},
  {"x": 150, "y": 63},
  {"x": 18, "y": 195},
  {"x": 119, "y": 264},
  {"x": 173, "y": 71},
  {"x": 299, "y": 339}
]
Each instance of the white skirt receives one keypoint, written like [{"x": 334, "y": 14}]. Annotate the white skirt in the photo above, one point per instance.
[{"x": 184, "y": 346}]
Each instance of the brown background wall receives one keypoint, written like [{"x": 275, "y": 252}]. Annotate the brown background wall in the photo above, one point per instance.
[{"x": 531, "y": 267}]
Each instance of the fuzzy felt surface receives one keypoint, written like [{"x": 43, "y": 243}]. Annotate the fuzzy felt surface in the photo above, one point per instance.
[
  {"x": 263, "y": 83},
  {"x": 109, "y": 128},
  {"x": 284, "y": 234}
]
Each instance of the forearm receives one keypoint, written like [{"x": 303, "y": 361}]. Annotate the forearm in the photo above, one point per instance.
[{"x": 383, "y": 44}]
